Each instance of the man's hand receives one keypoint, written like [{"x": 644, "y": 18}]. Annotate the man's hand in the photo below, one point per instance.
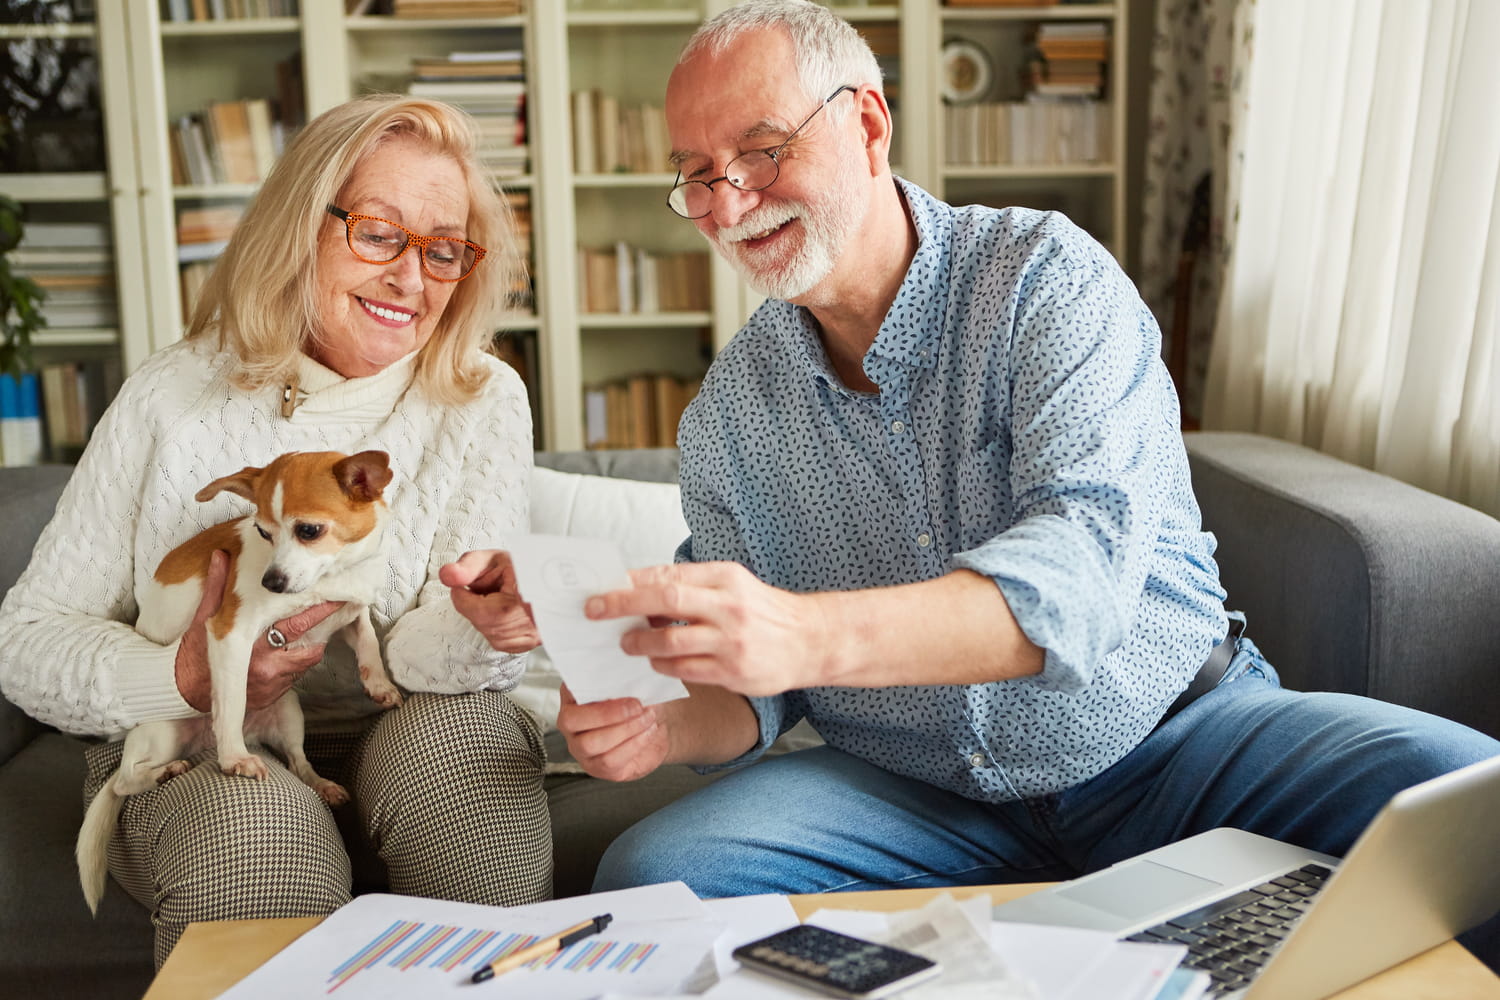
[
  {"x": 272, "y": 671},
  {"x": 736, "y": 632},
  {"x": 484, "y": 590},
  {"x": 617, "y": 740}
]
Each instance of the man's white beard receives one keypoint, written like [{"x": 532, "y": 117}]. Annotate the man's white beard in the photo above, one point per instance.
[{"x": 780, "y": 273}]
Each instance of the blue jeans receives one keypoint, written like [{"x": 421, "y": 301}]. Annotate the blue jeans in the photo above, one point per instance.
[{"x": 1308, "y": 768}]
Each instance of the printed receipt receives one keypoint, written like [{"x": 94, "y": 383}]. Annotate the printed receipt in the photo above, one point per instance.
[{"x": 557, "y": 574}]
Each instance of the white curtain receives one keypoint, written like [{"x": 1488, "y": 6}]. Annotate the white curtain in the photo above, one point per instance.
[{"x": 1360, "y": 310}]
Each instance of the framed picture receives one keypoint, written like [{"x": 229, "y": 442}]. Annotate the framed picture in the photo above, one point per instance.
[{"x": 966, "y": 71}]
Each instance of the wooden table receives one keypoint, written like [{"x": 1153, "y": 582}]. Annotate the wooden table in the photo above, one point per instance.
[{"x": 211, "y": 957}]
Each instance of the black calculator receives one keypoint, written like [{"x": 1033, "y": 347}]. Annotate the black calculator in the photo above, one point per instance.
[{"x": 834, "y": 963}]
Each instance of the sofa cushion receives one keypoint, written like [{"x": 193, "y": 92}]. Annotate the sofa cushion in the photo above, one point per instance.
[{"x": 644, "y": 518}]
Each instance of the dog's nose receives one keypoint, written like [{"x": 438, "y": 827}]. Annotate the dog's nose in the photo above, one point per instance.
[{"x": 274, "y": 581}]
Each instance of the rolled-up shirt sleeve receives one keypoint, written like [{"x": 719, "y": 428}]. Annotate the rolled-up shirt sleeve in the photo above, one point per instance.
[{"x": 1086, "y": 417}]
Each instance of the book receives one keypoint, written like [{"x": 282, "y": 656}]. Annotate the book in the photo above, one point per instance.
[
  {"x": 21, "y": 440},
  {"x": 40, "y": 235},
  {"x": 262, "y": 135},
  {"x": 585, "y": 160},
  {"x": 229, "y": 127},
  {"x": 62, "y": 315},
  {"x": 641, "y": 410}
]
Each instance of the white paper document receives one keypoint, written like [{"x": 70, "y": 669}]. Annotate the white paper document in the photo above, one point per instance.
[
  {"x": 557, "y": 574},
  {"x": 1069, "y": 963},
  {"x": 384, "y": 947}
]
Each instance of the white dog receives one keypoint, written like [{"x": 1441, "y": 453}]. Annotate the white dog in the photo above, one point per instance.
[{"x": 315, "y": 536}]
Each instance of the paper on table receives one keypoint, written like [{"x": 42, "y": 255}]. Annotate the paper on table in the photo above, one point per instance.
[
  {"x": 748, "y": 918},
  {"x": 384, "y": 947},
  {"x": 1132, "y": 971},
  {"x": 557, "y": 574},
  {"x": 1067, "y": 963}
]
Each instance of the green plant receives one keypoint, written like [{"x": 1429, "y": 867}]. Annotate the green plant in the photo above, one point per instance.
[{"x": 20, "y": 297}]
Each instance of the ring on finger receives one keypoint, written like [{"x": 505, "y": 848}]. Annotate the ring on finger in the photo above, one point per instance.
[{"x": 275, "y": 638}]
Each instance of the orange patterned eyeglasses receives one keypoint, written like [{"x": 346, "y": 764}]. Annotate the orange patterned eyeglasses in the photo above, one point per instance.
[{"x": 379, "y": 241}]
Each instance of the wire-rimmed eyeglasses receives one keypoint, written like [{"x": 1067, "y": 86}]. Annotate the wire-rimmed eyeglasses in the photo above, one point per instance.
[
  {"x": 379, "y": 241},
  {"x": 753, "y": 170}
]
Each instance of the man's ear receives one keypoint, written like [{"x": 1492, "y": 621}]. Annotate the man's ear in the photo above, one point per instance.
[
  {"x": 875, "y": 126},
  {"x": 242, "y": 483},
  {"x": 365, "y": 476}
]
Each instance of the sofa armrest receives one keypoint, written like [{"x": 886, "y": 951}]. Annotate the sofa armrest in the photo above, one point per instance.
[
  {"x": 1351, "y": 580},
  {"x": 28, "y": 496}
]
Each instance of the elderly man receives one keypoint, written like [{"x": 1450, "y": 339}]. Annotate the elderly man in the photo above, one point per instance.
[{"x": 940, "y": 507}]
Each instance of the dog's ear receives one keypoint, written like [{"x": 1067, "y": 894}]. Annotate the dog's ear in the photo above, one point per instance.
[
  {"x": 364, "y": 476},
  {"x": 241, "y": 483}
]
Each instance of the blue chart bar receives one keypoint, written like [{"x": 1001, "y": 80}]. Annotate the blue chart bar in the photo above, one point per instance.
[{"x": 409, "y": 944}]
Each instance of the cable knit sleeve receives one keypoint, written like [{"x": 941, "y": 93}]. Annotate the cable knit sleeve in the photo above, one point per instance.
[
  {"x": 432, "y": 647},
  {"x": 68, "y": 654}
]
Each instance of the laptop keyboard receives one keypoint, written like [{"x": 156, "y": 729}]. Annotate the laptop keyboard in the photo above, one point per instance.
[{"x": 1233, "y": 938}]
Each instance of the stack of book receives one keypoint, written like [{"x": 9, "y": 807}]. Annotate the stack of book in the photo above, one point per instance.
[
  {"x": 522, "y": 299},
  {"x": 228, "y": 142},
  {"x": 1070, "y": 61},
  {"x": 202, "y": 233},
  {"x": 74, "y": 395},
  {"x": 1063, "y": 120},
  {"x": 458, "y": 8},
  {"x": 639, "y": 411},
  {"x": 73, "y": 264},
  {"x": 1048, "y": 132},
  {"x": 518, "y": 349},
  {"x": 491, "y": 87},
  {"x": 627, "y": 279},
  {"x": 614, "y": 138},
  {"x": 226, "y": 10}
]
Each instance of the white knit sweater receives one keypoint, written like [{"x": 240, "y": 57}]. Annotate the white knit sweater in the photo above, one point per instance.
[{"x": 68, "y": 655}]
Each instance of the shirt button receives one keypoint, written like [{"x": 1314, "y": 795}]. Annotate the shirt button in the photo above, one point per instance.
[
  {"x": 978, "y": 760},
  {"x": 897, "y": 426},
  {"x": 924, "y": 539}
]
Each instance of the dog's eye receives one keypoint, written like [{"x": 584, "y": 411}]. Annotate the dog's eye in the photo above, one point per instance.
[
  {"x": 263, "y": 532},
  {"x": 309, "y": 532}
]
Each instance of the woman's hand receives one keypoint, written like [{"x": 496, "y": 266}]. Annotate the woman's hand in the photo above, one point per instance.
[
  {"x": 272, "y": 671},
  {"x": 484, "y": 589},
  {"x": 617, "y": 740}
]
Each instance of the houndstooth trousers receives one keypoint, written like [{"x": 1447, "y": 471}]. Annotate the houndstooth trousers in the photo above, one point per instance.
[{"x": 446, "y": 790}]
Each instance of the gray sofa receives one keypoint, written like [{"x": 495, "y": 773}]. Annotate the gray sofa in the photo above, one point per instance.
[{"x": 1351, "y": 581}]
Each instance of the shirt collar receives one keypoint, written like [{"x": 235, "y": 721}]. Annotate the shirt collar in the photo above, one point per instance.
[{"x": 905, "y": 340}]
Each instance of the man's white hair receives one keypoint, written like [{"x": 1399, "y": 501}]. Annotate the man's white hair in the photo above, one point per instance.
[{"x": 828, "y": 51}]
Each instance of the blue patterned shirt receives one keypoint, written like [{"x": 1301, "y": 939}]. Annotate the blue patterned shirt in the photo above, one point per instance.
[{"x": 1024, "y": 428}]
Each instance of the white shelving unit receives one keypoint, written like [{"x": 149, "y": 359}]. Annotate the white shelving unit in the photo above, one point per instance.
[
  {"x": 1092, "y": 194},
  {"x": 153, "y": 71}
]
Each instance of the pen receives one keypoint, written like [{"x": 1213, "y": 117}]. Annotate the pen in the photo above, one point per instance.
[{"x": 546, "y": 946}]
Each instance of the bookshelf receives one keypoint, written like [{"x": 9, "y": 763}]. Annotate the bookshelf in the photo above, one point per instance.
[
  {"x": 77, "y": 191},
  {"x": 1077, "y": 143},
  {"x": 158, "y": 66}
]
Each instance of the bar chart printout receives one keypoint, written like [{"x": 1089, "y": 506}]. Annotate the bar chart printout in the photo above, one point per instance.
[
  {"x": 383, "y": 947},
  {"x": 410, "y": 944}
]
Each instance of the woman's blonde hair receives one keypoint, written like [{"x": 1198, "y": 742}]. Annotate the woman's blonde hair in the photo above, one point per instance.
[{"x": 260, "y": 299}]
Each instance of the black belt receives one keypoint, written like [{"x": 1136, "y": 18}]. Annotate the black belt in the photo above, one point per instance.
[{"x": 1211, "y": 673}]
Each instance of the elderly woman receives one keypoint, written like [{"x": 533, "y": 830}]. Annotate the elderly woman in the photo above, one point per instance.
[{"x": 351, "y": 310}]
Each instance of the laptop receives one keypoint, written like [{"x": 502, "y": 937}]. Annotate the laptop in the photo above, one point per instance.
[{"x": 1270, "y": 921}]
